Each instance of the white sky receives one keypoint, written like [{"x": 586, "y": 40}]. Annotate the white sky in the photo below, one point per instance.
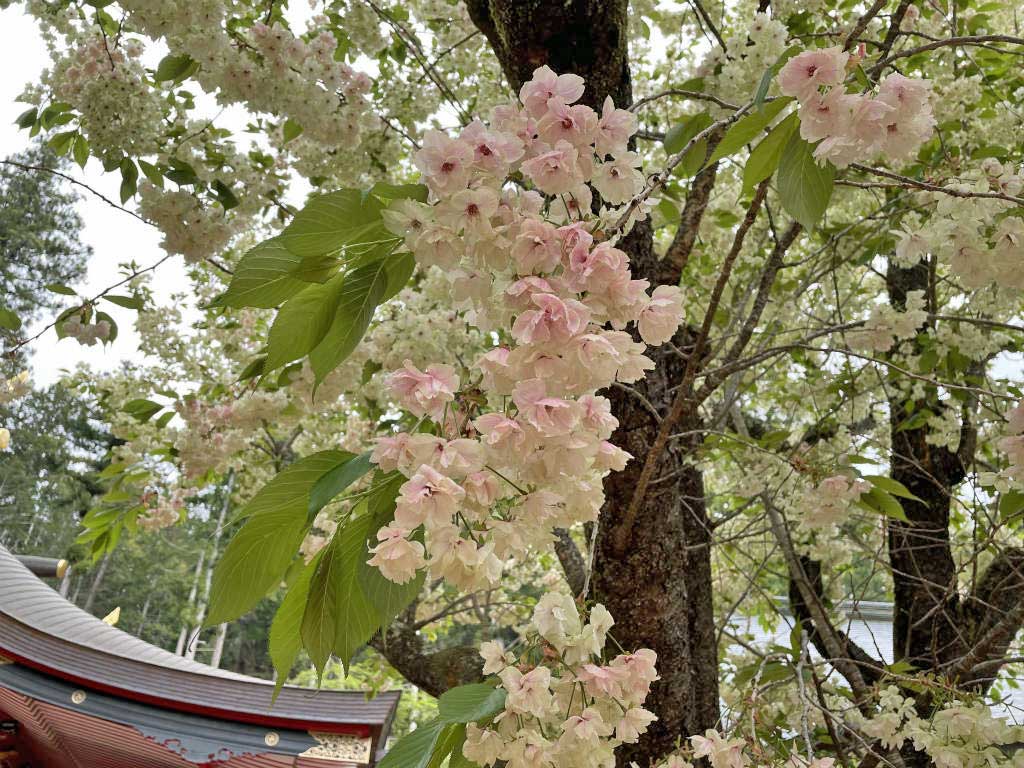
[{"x": 115, "y": 236}]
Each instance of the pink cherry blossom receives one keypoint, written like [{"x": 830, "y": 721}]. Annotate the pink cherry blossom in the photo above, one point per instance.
[
  {"x": 575, "y": 124},
  {"x": 805, "y": 73},
  {"x": 618, "y": 180},
  {"x": 556, "y": 170},
  {"x": 424, "y": 393},
  {"x": 552, "y": 320},
  {"x": 614, "y": 129},
  {"x": 536, "y": 248},
  {"x": 444, "y": 162},
  {"x": 428, "y": 497},
  {"x": 660, "y": 319},
  {"x": 493, "y": 151},
  {"x": 544, "y": 85},
  {"x": 397, "y": 557},
  {"x": 548, "y": 415}
]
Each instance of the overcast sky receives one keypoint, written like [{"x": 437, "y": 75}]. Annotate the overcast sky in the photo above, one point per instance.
[{"x": 115, "y": 236}]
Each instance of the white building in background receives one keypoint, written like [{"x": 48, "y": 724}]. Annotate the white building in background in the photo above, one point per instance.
[{"x": 869, "y": 625}]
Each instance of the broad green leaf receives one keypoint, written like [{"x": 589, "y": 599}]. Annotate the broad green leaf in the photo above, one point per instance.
[
  {"x": 80, "y": 150},
  {"x": 253, "y": 369},
  {"x": 61, "y": 289},
  {"x": 302, "y": 322},
  {"x": 128, "y": 302},
  {"x": 804, "y": 187},
  {"x": 260, "y": 552},
  {"x": 877, "y": 500},
  {"x": 679, "y": 135},
  {"x": 415, "y": 749},
  {"x": 337, "y": 480},
  {"x": 286, "y": 629},
  {"x": 895, "y": 487},
  {"x": 399, "y": 268},
  {"x": 129, "y": 179},
  {"x": 255, "y": 560},
  {"x": 746, "y": 129},
  {"x": 387, "y": 191},
  {"x": 263, "y": 277},
  {"x": 338, "y": 618},
  {"x": 452, "y": 737},
  {"x": 291, "y": 487},
  {"x": 9, "y": 321},
  {"x": 331, "y": 221},
  {"x": 176, "y": 68},
  {"x": 291, "y": 130},
  {"x": 1011, "y": 504},
  {"x": 142, "y": 409},
  {"x": 361, "y": 291},
  {"x": 764, "y": 158},
  {"x": 61, "y": 142},
  {"x": 470, "y": 703},
  {"x": 27, "y": 118},
  {"x": 152, "y": 173}
]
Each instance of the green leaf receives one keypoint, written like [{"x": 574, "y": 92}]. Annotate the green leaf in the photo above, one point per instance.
[
  {"x": 415, "y": 749},
  {"x": 678, "y": 136},
  {"x": 337, "y": 480},
  {"x": 291, "y": 130},
  {"x": 62, "y": 289},
  {"x": 746, "y": 129},
  {"x": 387, "y": 191},
  {"x": 330, "y": 221},
  {"x": 27, "y": 118},
  {"x": 152, "y": 173},
  {"x": 255, "y": 560},
  {"x": 302, "y": 322},
  {"x": 765, "y": 157},
  {"x": 253, "y": 369},
  {"x": 224, "y": 195},
  {"x": 80, "y": 151},
  {"x": 176, "y": 68},
  {"x": 398, "y": 268},
  {"x": 291, "y": 487},
  {"x": 1011, "y": 504},
  {"x": 285, "y": 630},
  {"x": 877, "y": 500},
  {"x": 895, "y": 487},
  {"x": 362, "y": 290},
  {"x": 259, "y": 554},
  {"x": 805, "y": 188},
  {"x": 470, "y": 703},
  {"x": 9, "y": 321},
  {"x": 338, "y": 618},
  {"x": 128, "y": 302},
  {"x": 263, "y": 277},
  {"x": 142, "y": 409},
  {"x": 129, "y": 179},
  {"x": 61, "y": 142}
]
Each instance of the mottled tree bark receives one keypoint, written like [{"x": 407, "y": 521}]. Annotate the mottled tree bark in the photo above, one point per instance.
[{"x": 658, "y": 586}]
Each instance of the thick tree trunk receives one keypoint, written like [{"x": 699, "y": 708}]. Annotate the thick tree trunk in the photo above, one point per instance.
[{"x": 657, "y": 586}]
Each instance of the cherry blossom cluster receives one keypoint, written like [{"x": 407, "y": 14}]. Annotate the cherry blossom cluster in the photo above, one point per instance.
[
  {"x": 973, "y": 235},
  {"x": 164, "y": 510},
  {"x": 564, "y": 705},
  {"x": 517, "y": 443},
  {"x": 87, "y": 334},
  {"x": 266, "y": 67},
  {"x": 885, "y": 325},
  {"x": 959, "y": 735},
  {"x": 856, "y": 126},
  {"x": 830, "y": 501},
  {"x": 10, "y": 390},
  {"x": 107, "y": 85}
]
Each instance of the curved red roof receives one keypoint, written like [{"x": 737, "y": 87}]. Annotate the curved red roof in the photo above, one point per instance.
[{"x": 41, "y": 630}]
